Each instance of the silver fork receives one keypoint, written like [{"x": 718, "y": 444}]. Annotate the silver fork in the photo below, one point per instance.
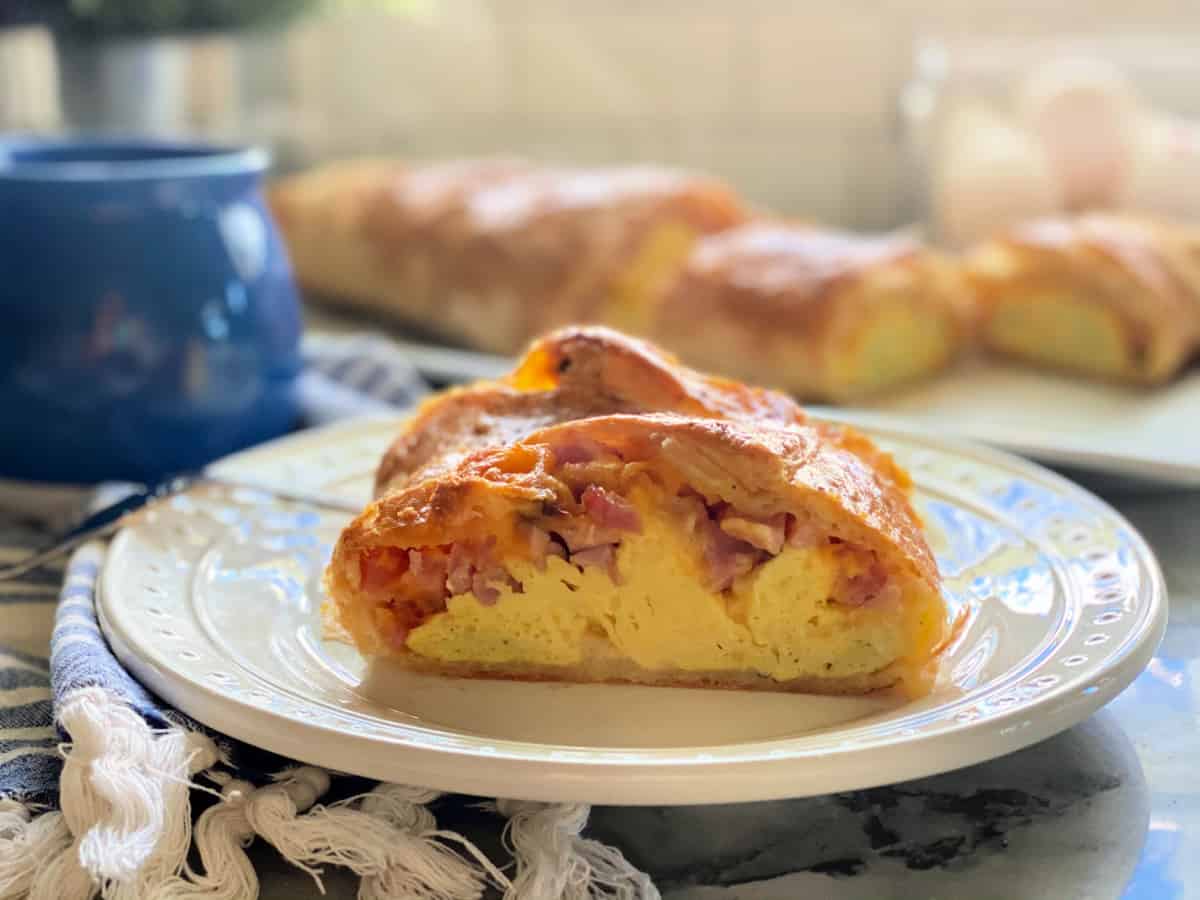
[{"x": 105, "y": 521}]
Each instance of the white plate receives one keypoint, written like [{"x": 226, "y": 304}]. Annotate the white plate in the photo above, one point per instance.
[
  {"x": 212, "y": 601},
  {"x": 1145, "y": 433}
]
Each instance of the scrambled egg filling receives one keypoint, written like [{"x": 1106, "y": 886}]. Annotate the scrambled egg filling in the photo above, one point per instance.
[
  {"x": 776, "y": 620},
  {"x": 899, "y": 343},
  {"x": 662, "y": 254},
  {"x": 1059, "y": 330}
]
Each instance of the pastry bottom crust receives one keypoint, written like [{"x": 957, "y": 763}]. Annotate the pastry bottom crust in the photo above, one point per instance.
[{"x": 600, "y": 670}]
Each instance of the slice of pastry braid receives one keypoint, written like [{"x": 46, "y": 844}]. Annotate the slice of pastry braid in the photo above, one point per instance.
[
  {"x": 1104, "y": 295},
  {"x": 824, "y": 314},
  {"x": 604, "y": 514},
  {"x": 491, "y": 252}
]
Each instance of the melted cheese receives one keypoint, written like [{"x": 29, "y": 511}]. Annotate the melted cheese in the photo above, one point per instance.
[{"x": 774, "y": 621}]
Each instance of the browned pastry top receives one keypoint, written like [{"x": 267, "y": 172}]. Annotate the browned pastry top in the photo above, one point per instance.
[
  {"x": 784, "y": 274},
  {"x": 511, "y": 197},
  {"x": 1107, "y": 251},
  {"x": 587, "y": 385},
  {"x": 570, "y": 374},
  {"x": 553, "y": 236},
  {"x": 759, "y": 468},
  {"x": 772, "y": 259},
  {"x": 1132, "y": 243}
]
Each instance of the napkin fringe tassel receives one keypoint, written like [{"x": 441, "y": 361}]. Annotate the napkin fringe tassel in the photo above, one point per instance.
[
  {"x": 123, "y": 794},
  {"x": 125, "y": 829},
  {"x": 555, "y": 860},
  {"x": 29, "y": 836}
]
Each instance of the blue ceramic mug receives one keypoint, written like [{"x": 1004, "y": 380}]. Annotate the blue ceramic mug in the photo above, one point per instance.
[{"x": 148, "y": 319}]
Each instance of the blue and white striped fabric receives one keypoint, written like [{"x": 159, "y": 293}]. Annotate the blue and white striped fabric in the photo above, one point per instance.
[
  {"x": 29, "y": 761},
  {"x": 50, "y": 641}
]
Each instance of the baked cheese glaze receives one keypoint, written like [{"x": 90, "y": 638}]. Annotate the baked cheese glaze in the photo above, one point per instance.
[{"x": 774, "y": 620}]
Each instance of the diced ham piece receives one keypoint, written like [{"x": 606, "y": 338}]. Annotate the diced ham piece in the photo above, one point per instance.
[
  {"x": 690, "y": 508},
  {"x": 609, "y": 510},
  {"x": 765, "y": 534},
  {"x": 593, "y": 556},
  {"x": 580, "y": 532},
  {"x": 602, "y": 557},
  {"x": 390, "y": 628},
  {"x": 418, "y": 581},
  {"x": 426, "y": 572},
  {"x": 578, "y": 450},
  {"x": 888, "y": 595},
  {"x": 412, "y": 585},
  {"x": 726, "y": 556},
  {"x": 380, "y": 567},
  {"x": 803, "y": 533},
  {"x": 459, "y": 571},
  {"x": 864, "y": 586},
  {"x": 539, "y": 544},
  {"x": 486, "y": 583},
  {"x": 485, "y": 592},
  {"x": 470, "y": 568},
  {"x": 607, "y": 518}
]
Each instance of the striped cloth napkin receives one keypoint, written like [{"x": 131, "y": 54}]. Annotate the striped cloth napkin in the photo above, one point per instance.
[{"x": 97, "y": 775}]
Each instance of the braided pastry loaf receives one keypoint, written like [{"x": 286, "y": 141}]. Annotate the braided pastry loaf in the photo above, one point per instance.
[
  {"x": 604, "y": 514},
  {"x": 1104, "y": 295},
  {"x": 492, "y": 252}
]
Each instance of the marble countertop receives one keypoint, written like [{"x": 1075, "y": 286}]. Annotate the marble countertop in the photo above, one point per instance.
[{"x": 1108, "y": 809}]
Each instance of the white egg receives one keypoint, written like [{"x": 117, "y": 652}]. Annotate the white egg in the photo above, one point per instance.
[
  {"x": 1165, "y": 176},
  {"x": 990, "y": 174},
  {"x": 1086, "y": 115}
]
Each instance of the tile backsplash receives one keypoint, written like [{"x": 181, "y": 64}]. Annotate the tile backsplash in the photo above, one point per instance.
[
  {"x": 791, "y": 102},
  {"x": 796, "y": 103}
]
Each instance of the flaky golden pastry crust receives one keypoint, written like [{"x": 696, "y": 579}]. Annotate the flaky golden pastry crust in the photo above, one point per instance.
[
  {"x": 588, "y": 423},
  {"x": 493, "y": 251},
  {"x": 794, "y": 306},
  {"x": 585, "y": 371},
  {"x": 760, "y": 467},
  {"x": 1127, "y": 288}
]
